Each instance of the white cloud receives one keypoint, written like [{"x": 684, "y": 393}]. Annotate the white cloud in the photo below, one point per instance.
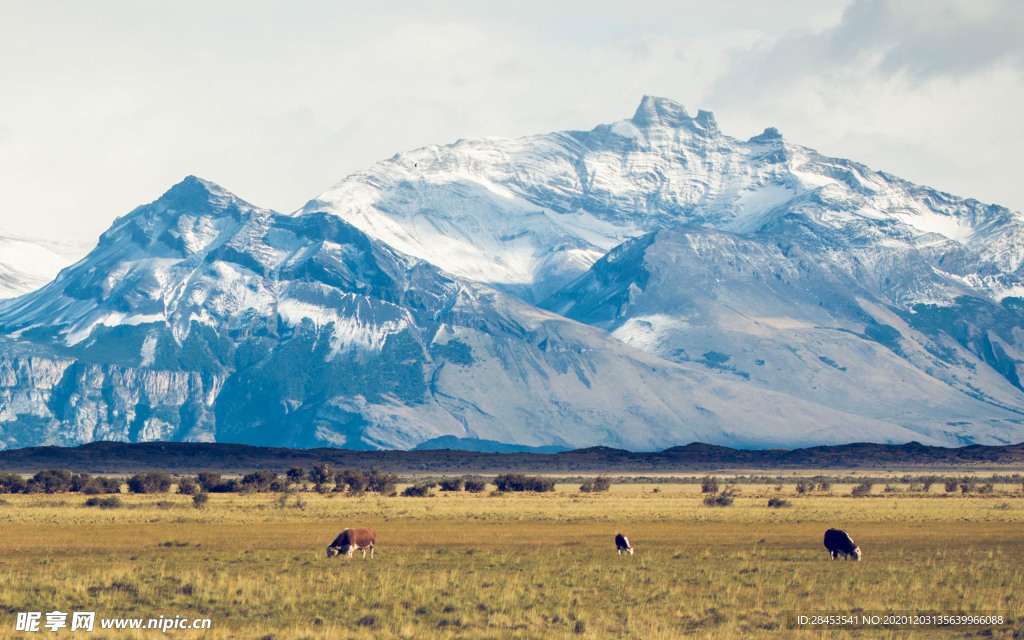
[{"x": 925, "y": 90}]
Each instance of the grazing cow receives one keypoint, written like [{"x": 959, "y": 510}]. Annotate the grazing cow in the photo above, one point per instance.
[
  {"x": 622, "y": 544},
  {"x": 838, "y": 541},
  {"x": 351, "y": 539}
]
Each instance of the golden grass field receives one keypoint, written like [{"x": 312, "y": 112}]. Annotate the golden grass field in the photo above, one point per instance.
[{"x": 513, "y": 565}]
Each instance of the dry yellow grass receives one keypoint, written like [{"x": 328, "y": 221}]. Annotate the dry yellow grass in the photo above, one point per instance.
[{"x": 511, "y": 566}]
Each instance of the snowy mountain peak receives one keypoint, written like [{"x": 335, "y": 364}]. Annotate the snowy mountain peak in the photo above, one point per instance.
[
  {"x": 183, "y": 221},
  {"x": 196, "y": 193},
  {"x": 770, "y": 134},
  {"x": 654, "y": 111}
]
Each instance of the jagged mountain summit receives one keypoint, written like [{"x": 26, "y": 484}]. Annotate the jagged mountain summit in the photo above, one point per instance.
[
  {"x": 26, "y": 265},
  {"x": 202, "y": 317},
  {"x": 529, "y": 214}
]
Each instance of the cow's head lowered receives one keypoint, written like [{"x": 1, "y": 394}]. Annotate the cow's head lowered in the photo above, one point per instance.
[
  {"x": 839, "y": 543},
  {"x": 350, "y": 540}
]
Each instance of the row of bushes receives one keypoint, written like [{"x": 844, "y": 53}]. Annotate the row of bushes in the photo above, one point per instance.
[
  {"x": 58, "y": 481},
  {"x": 324, "y": 477},
  {"x": 265, "y": 481},
  {"x": 505, "y": 482},
  {"x": 965, "y": 485}
]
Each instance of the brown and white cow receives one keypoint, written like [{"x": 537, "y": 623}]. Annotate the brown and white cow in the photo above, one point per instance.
[
  {"x": 350, "y": 540},
  {"x": 622, "y": 544}
]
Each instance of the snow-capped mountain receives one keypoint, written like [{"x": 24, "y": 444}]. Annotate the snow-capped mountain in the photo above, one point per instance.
[
  {"x": 529, "y": 214},
  {"x": 645, "y": 284},
  {"x": 201, "y": 317},
  {"x": 26, "y": 265},
  {"x": 804, "y": 274}
]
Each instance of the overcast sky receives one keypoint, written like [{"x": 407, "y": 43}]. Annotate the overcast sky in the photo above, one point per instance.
[{"x": 106, "y": 104}]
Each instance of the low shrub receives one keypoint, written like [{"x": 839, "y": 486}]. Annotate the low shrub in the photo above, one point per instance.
[
  {"x": 725, "y": 498},
  {"x": 379, "y": 482},
  {"x": 112, "y": 502},
  {"x": 862, "y": 489},
  {"x": 709, "y": 484},
  {"x": 102, "y": 485},
  {"x": 359, "y": 480},
  {"x": 296, "y": 475},
  {"x": 596, "y": 485},
  {"x": 188, "y": 486},
  {"x": 778, "y": 503},
  {"x": 12, "y": 483},
  {"x": 261, "y": 481},
  {"x": 354, "y": 479},
  {"x": 150, "y": 482},
  {"x": 451, "y": 484},
  {"x": 418, "y": 490},
  {"x": 50, "y": 481},
  {"x": 475, "y": 486},
  {"x": 79, "y": 481},
  {"x": 321, "y": 472},
  {"x": 519, "y": 482},
  {"x": 210, "y": 481}
]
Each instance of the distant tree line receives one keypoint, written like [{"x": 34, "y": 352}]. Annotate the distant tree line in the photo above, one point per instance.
[{"x": 322, "y": 477}]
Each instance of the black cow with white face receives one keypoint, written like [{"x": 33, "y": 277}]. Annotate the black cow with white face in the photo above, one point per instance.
[
  {"x": 622, "y": 544},
  {"x": 838, "y": 542}
]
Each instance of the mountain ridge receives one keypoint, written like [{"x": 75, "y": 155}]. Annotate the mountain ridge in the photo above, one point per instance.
[
  {"x": 191, "y": 457},
  {"x": 648, "y": 282}
]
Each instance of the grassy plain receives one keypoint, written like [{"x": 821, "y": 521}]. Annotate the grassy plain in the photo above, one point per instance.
[{"x": 514, "y": 566}]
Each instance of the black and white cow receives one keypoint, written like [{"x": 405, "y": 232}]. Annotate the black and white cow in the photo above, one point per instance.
[
  {"x": 838, "y": 542},
  {"x": 622, "y": 544},
  {"x": 350, "y": 540}
]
